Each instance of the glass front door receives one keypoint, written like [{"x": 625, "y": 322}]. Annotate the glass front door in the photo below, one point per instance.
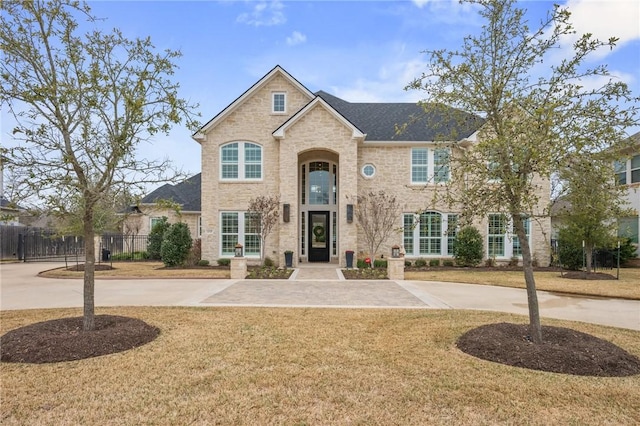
[{"x": 319, "y": 236}]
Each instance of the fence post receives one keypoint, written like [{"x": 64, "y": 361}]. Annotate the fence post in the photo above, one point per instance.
[{"x": 21, "y": 247}]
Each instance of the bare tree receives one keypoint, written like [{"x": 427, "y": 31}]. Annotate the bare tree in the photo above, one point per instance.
[
  {"x": 82, "y": 104},
  {"x": 377, "y": 214},
  {"x": 263, "y": 216}
]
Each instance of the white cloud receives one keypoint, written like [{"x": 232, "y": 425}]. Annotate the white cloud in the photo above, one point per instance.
[
  {"x": 296, "y": 38},
  {"x": 605, "y": 19},
  {"x": 264, "y": 13}
]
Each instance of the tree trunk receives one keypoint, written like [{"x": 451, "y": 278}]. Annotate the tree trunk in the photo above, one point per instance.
[
  {"x": 89, "y": 272},
  {"x": 589, "y": 258},
  {"x": 535, "y": 329}
]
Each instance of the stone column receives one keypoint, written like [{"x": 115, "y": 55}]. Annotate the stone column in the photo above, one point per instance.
[
  {"x": 238, "y": 268},
  {"x": 395, "y": 268}
]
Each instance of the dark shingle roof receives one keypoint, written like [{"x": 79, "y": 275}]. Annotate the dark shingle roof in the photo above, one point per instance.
[
  {"x": 380, "y": 120},
  {"x": 186, "y": 193}
]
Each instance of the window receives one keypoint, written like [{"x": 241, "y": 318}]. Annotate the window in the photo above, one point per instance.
[
  {"x": 279, "y": 103},
  {"x": 237, "y": 227},
  {"x": 430, "y": 165},
  {"x": 621, "y": 172},
  {"x": 199, "y": 226},
  {"x": 452, "y": 232},
  {"x": 154, "y": 221},
  {"x": 635, "y": 169},
  {"x": 628, "y": 228},
  {"x": 368, "y": 170},
  {"x": 419, "y": 165},
  {"x": 241, "y": 161},
  {"x": 496, "y": 235},
  {"x": 423, "y": 234},
  {"x": 517, "y": 248}
]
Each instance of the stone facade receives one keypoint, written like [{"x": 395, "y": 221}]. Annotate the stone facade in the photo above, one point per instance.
[{"x": 308, "y": 131}]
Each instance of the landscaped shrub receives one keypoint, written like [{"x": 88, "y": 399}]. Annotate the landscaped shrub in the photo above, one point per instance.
[
  {"x": 434, "y": 262},
  {"x": 176, "y": 245},
  {"x": 514, "y": 261},
  {"x": 155, "y": 238},
  {"x": 380, "y": 263},
  {"x": 224, "y": 262},
  {"x": 268, "y": 262},
  {"x": 203, "y": 262},
  {"x": 448, "y": 263},
  {"x": 407, "y": 263},
  {"x": 420, "y": 263},
  {"x": 490, "y": 262},
  {"x": 467, "y": 249},
  {"x": 360, "y": 264},
  {"x": 195, "y": 254},
  {"x": 136, "y": 255}
]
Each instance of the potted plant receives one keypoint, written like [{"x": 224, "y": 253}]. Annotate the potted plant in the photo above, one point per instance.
[{"x": 288, "y": 258}]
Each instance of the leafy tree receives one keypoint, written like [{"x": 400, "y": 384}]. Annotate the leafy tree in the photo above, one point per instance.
[
  {"x": 263, "y": 216},
  {"x": 155, "y": 238},
  {"x": 376, "y": 214},
  {"x": 538, "y": 112},
  {"x": 176, "y": 244},
  {"x": 82, "y": 104},
  {"x": 593, "y": 202},
  {"x": 467, "y": 249}
]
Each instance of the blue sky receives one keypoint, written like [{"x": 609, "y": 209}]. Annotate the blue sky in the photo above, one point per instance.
[{"x": 361, "y": 51}]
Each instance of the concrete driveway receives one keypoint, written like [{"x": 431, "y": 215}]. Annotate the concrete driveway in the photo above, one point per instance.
[{"x": 21, "y": 288}]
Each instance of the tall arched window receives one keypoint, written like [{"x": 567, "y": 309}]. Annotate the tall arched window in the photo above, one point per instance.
[{"x": 241, "y": 161}]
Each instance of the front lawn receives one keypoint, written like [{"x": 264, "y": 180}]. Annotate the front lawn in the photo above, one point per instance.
[{"x": 308, "y": 366}]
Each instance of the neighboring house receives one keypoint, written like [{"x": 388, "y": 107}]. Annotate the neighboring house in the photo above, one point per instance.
[
  {"x": 318, "y": 153},
  {"x": 628, "y": 174},
  {"x": 9, "y": 213},
  {"x": 179, "y": 203}
]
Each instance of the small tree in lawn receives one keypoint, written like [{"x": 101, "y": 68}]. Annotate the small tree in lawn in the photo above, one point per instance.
[
  {"x": 377, "y": 214},
  {"x": 82, "y": 104},
  {"x": 467, "y": 249},
  {"x": 538, "y": 113},
  {"x": 156, "y": 236},
  {"x": 594, "y": 201},
  {"x": 263, "y": 215}
]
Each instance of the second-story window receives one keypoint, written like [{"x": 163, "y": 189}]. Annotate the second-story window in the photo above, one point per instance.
[
  {"x": 635, "y": 169},
  {"x": 241, "y": 161},
  {"x": 430, "y": 165},
  {"x": 279, "y": 102}
]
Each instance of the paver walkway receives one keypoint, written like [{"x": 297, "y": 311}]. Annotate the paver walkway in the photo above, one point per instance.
[{"x": 312, "y": 286}]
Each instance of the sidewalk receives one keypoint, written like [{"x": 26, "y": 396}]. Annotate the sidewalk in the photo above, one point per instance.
[{"x": 310, "y": 286}]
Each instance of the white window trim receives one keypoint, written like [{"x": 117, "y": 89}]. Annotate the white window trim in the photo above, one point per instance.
[
  {"x": 241, "y": 234},
  {"x": 431, "y": 165},
  {"x": 444, "y": 236},
  {"x": 273, "y": 103},
  {"x": 508, "y": 238},
  {"x": 241, "y": 162},
  {"x": 364, "y": 175}
]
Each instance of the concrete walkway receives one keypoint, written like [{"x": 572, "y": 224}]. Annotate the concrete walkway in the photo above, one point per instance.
[{"x": 309, "y": 286}]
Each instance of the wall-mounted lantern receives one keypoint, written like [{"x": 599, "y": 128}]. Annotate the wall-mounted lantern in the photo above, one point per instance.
[
  {"x": 238, "y": 250},
  {"x": 395, "y": 251},
  {"x": 349, "y": 213},
  {"x": 286, "y": 212}
]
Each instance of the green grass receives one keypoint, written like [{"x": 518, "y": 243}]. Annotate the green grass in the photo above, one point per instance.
[{"x": 308, "y": 366}]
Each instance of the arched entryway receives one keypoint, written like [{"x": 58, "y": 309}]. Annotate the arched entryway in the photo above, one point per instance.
[{"x": 318, "y": 205}]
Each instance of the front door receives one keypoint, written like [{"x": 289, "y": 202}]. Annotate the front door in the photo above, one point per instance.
[{"x": 319, "y": 236}]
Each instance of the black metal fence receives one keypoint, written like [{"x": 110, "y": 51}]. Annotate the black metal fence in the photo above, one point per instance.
[
  {"x": 31, "y": 244},
  {"x": 121, "y": 247}
]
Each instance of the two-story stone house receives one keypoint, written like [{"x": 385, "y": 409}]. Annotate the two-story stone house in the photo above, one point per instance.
[
  {"x": 628, "y": 174},
  {"x": 318, "y": 153}
]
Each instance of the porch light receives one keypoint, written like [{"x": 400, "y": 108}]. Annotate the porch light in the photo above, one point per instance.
[
  {"x": 238, "y": 250},
  {"x": 286, "y": 212},
  {"x": 395, "y": 251}
]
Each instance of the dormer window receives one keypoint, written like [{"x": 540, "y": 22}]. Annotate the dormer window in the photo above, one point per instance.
[{"x": 279, "y": 104}]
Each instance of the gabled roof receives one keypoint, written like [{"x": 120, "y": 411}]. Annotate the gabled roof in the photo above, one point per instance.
[
  {"x": 186, "y": 193},
  {"x": 379, "y": 120},
  {"x": 277, "y": 70},
  {"x": 279, "y": 133}
]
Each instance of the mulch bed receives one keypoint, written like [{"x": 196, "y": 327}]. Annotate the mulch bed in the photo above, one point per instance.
[
  {"x": 63, "y": 340},
  {"x": 580, "y": 275},
  {"x": 98, "y": 267},
  {"x": 563, "y": 350}
]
